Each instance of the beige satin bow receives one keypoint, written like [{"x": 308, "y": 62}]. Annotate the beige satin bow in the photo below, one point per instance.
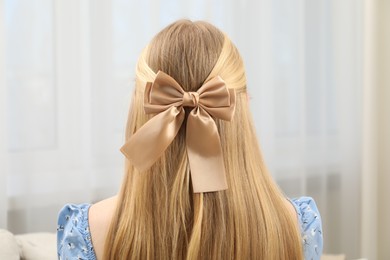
[{"x": 165, "y": 98}]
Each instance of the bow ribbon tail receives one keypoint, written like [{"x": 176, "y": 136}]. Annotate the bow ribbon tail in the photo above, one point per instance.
[
  {"x": 152, "y": 139},
  {"x": 205, "y": 153}
]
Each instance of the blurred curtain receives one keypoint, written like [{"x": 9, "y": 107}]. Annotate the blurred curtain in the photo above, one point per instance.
[
  {"x": 376, "y": 128},
  {"x": 69, "y": 70},
  {"x": 3, "y": 134},
  {"x": 383, "y": 55}
]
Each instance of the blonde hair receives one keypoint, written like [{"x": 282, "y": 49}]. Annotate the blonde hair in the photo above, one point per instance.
[{"x": 158, "y": 216}]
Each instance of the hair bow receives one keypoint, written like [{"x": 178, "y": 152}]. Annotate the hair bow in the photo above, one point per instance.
[{"x": 166, "y": 98}]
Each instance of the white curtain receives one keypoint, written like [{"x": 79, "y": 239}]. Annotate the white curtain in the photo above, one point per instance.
[
  {"x": 67, "y": 70},
  {"x": 376, "y": 128}
]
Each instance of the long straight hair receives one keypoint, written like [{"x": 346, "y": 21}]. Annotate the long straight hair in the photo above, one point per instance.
[{"x": 158, "y": 216}]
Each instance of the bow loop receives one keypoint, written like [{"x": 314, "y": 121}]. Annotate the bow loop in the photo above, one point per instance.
[{"x": 166, "y": 98}]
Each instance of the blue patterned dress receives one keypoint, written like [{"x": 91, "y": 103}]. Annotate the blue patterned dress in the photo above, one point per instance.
[{"x": 74, "y": 239}]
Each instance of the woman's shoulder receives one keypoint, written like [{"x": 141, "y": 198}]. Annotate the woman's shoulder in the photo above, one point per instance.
[
  {"x": 73, "y": 235},
  {"x": 311, "y": 226},
  {"x": 82, "y": 229},
  {"x": 100, "y": 216}
]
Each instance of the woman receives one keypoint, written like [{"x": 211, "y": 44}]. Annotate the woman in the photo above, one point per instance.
[{"x": 195, "y": 184}]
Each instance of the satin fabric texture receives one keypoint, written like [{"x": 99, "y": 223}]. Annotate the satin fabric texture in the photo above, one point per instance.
[{"x": 166, "y": 99}]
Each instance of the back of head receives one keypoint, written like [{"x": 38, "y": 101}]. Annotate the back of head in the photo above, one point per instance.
[{"x": 159, "y": 215}]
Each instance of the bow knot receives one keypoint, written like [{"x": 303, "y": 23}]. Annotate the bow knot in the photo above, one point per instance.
[
  {"x": 190, "y": 99},
  {"x": 166, "y": 98}
]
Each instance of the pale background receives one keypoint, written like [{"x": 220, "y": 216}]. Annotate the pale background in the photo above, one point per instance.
[{"x": 318, "y": 77}]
